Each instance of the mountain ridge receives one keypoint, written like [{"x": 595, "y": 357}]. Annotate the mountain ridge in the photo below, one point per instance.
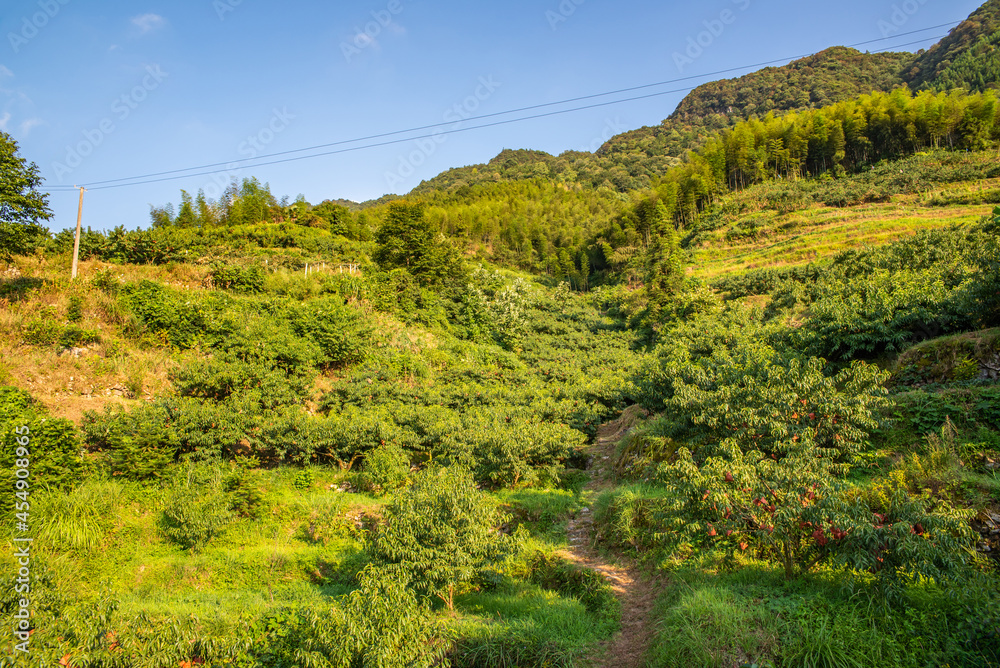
[{"x": 969, "y": 57}]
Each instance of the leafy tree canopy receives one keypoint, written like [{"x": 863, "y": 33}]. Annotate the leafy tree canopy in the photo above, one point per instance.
[
  {"x": 22, "y": 205},
  {"x": 408, "y": 241}
]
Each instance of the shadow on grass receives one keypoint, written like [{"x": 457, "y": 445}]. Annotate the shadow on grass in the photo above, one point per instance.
[{"x": 18, "y": 289}]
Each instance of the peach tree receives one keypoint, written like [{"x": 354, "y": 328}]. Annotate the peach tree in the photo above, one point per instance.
[
  {"x": 763, "y": 438},
  {"x": 441, "y": 533}
]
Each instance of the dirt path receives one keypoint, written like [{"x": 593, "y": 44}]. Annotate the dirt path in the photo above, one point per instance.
[{"x": 636, "y": 590}]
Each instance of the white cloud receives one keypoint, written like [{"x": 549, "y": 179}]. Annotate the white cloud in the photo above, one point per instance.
[
  {"x": 147, "y": 22},
  {"x": 4, "y": 72},
  {"x": 4, "y": 120},
  {"x": 27, "y": 125}
]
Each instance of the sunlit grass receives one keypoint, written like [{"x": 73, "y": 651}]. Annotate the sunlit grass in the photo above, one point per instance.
[{"x": 818, "y": 233}]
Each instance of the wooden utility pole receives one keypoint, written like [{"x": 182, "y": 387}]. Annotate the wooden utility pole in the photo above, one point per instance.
[{"x": 76, "y": 244}]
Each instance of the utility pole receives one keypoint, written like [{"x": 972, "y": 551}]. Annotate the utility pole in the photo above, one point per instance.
[{"x": 76, "y": 244}]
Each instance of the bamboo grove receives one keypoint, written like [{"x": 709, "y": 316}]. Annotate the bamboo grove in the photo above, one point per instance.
[{"x": 838, "y": 139}]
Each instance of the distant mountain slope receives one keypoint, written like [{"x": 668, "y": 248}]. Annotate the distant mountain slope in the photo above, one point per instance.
[
  {"x": 572, "y": 169},
  {"x": 838, "y": 73},
  {"x": 965, "y": 58},
  {"x": 969, "y": 57},
  {"x": 827, "y": 77},
  {"x": 977, "y": 68},
  {"x": 631, "y": 160}
]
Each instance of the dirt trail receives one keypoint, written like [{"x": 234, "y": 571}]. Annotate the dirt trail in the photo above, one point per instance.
[{"x": 636, "y": 590}]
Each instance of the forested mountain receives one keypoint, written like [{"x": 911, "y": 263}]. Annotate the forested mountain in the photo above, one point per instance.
[
  {"x": 830, "y": 76},
  {"x": 836, "y": 114},
  {"x": 965, "y": 58},
  {"x": 571, "y": 168},
  {"x": 633, "y": 159}
]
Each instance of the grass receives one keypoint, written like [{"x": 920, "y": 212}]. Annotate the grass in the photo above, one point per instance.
[
  {"x": 818, "y": 233},
  {"x": 624, "y": 517},
  {"x": 717, "y": 617},
  {"x": 103, "y": 541},
  {"x": 714, "y": 627},
  {"x": 524, "y": 625},
  {"x": 544, "y": 512},
  {"x": 106, "y": 533}
]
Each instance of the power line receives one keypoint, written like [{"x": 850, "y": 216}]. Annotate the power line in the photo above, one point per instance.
[
  {"x": 426, "y": 136},
  {"x": 404, "y": 140},
  {"x": 151, "y": 178},
  {"x": 509, "y": 111}
]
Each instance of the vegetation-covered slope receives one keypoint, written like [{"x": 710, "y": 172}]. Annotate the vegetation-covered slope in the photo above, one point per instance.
[
  {"x": 277, "y": 498},
  {"x": 264, "y": 433},
  {"x": 963, "y": 59},
  {"x": 827, "y": 77}
]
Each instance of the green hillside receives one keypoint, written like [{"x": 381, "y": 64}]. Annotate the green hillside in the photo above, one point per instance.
[
  {"x": 830, "y": 76},
  {"x": 634, "y": 159},
  {"x": 722, "y": 394},
  {"x": 965, "y": 58}
]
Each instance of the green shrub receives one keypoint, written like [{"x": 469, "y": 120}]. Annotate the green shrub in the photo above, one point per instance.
[
  {"x": 243, "y": 280},
  {"x": 511, "y": 450},
  {"x": 107, "y": 280},
  {"x": 440, "y": 532},
  {"x": 74, "y": 335},
  {"x": 304, "y": 480},
  {"x": 988, "y": 408},
  {"x": 379, "y": 624},
  {"x": 257, "y": 383},
  {"x": 50, "y": 446},
  {"x": 386, "y": 626},
  {"x": 45, "y": 331},
  {"x": 763, "y": 396},
  {"x": 42, "y": 332},
  {"x": 328, "y": 520},
  {"x": 245, "y": 497},
  {"x": 338, "y": 330},
  {"x": 897, "y": 538},
  {"x": 139, "y": 444},
  {"x": 386, "y": 469},
  {"x": 161, "y": 312},
  {"x": 74, "y": 312},
  {"x": 196, "y": 508}
]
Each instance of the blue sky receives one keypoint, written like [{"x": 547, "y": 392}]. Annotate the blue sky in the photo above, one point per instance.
[{"x": 101, "y": 89}]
